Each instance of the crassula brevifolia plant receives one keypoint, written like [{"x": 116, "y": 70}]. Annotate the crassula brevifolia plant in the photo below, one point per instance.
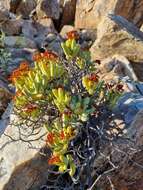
[{"x": 69, "y": 89}]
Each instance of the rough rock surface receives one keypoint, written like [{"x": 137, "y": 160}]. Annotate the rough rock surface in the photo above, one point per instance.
[
  {"x": 31, "y": 174},
  {"x": 19, "y": 42},
  {"x": 138, "y": 68},
  {"x": 68, "y": 12},
  {"x": 90, "y": 12},
  {"x": 141, "y": 28},
  {"x": 115, "y": 68},
  {"x": 116, "y": 35},
  {"x": 137, "y": 128},
  {"x": 129, "y": 105},
  {"x": 16, "y": 151},
  {"x": 5, "y": 95},
  {"x": 14, "y": 5},
  {"x": 43, "y": 28},
  {"x": 12, "y": 27},
  {"x": 48, "y": 8},
  {"x": 4, "y": 15},
  {"x": 5, "y": 4},
  {"x": 25, "y": 8}
]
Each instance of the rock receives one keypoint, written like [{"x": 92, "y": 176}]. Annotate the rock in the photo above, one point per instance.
[
  {"x": 136, "y": 128},
  {"x": 55, "y": 46},
  {"x": 48, "y": 9},
  {"x": 88, "y": 34},
  {"x": 5, "y": 4},
  {"x": 129, "y": 105},
  {"x": 25, "y": 8},
  {"x": 115, "y": 68},
  {"x": 141, "y": 28},
  {"x": 12, "y": 27},
  {"x": 115, "y": 35},
  {"x": 14, "y": 5},
  {"x": 4, "y": 15},
  {"x": 8, "y": 22},
  {"x": 68, "y": 12},
  {"x": 29, "y": 175},
  {"x": 89, "y": 13},
  {"x": 43, "y": 27},
  {"x": 139, "y": 86},
  {"x": 65, "y": 29},
  {"x": 138, "y": 68},
  {"x": 28, "y": 29},
  {"x": 19, "y": 42},
  {"x": 5, "y": 118},
  {"x": 51, "y": 37},
  {"x": 15, "y": 152},
  {"x": 18, "y": 55},
  {"x": 5, "y": 96}
]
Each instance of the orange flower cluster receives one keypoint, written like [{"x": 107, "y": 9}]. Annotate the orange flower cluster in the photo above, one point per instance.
[
  {"x": 17, "y": 94},
  {"x": 50, "y": 138},
  {"x": 22, "y": 70},
  {"x": 29, "y": 108},
  {"x": 93, "y": 77},
  {"x": 47, "y": 54},
  {"x": 54, "y": 160},
  {"x": 62, "y": 135},
  {"x": 73, "y": 35}
]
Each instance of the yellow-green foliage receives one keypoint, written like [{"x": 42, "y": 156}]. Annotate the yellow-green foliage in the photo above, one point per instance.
[{"x": 48, "y": 83}]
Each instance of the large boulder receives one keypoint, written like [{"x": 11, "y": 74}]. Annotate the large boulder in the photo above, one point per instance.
[
  {"x": 129, "y": 105},
  {"x": 25, "y": 8},
  {"x": 28, "y": 29},
  {"x": 90, "y": 12},
  {"x": 68, "y": 12},
  {"x": 5, "y": 96},
  {"x": 115, "y": 68},
  {"x": 137, "y": 128},
  {"x": 43, "y": 27},
  {"x": 19, "y": 42},
  {"x": 115, "y": 35},
  {"x": 5, "y": 4},
  {"x": 8, "y": 22},
  {"x": 4, "y": 15},
  {"x": 12, "y": 27},
  {"x": 21, "y": 166},
  {"x": 48, "y": 9},
  {"x": 14, "y": 5}
]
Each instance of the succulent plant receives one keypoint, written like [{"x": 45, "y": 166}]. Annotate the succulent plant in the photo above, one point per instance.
[{"x": 72, "y": 90}]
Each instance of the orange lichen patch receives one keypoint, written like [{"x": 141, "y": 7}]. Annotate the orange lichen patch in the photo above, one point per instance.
[
  {"x": 29, "y": 108},
  {"x": 54, "y": 160},
  {"x": 50, "y": 138},
  {"x": 73, "y": 35}
]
